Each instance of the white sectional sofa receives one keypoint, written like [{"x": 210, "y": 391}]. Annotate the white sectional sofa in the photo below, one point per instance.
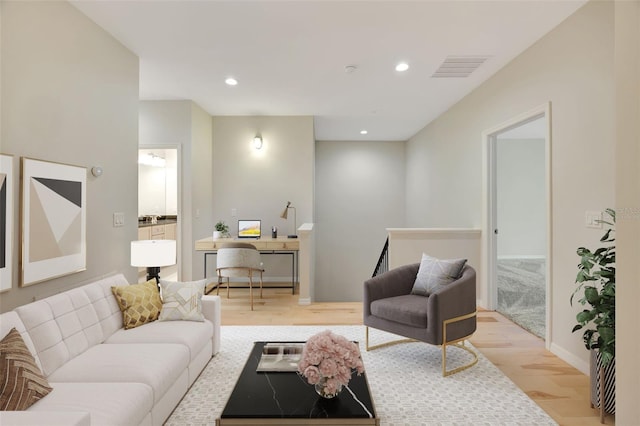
[{"x": 102, "y": 374}]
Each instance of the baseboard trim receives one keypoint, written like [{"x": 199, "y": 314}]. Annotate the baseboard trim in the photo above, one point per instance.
[
  {"x": 570, "y": 358},
  {"x": 304, "y": 301}
]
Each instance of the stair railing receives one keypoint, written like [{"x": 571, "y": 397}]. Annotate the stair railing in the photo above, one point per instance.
[{"x": 383, "y": 260}]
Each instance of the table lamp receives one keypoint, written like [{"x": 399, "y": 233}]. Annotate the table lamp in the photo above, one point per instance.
[
  {"x": 152, "y": 254},
  {"x": 285, "y": 214}
]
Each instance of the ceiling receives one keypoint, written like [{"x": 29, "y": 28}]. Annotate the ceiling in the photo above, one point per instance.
[{"x": 289, "y": 57}]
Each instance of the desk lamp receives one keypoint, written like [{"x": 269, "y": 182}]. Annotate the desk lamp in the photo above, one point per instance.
[
  {"x": 152, "y": 254},
  {"x": 285, "y": 214}
]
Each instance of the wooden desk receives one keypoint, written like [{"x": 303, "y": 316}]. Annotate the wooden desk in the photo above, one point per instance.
[{"x": 265, "y": 245}]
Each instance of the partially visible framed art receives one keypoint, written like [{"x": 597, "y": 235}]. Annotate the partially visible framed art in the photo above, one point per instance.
[
  {"x": 6, "y": 222},
  {"x": 54, "y": 220}
]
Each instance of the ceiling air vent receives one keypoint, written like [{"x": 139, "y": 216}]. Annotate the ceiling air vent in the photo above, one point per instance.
[{"x": 459, "y": 66}]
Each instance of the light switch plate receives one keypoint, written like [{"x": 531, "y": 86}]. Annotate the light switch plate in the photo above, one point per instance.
[
  {"x": 592, "y": 219},
  {"x": 118, "y": 219}
]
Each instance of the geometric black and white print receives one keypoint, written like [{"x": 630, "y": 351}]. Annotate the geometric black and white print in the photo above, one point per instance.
[
  {"x": 54, "y": 215},
  {"x": 3, "y": 219},
  {"x": 6, "y": 222},
  {"x": 54, "y": 218}
]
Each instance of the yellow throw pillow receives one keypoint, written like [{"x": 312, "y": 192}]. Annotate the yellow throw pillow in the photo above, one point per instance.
[
  {"x": 139, "y": 303},
  {"x": 22, "y": 382}
]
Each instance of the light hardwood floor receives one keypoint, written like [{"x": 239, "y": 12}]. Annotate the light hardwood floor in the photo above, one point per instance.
[{"x": 561, "y": 390}]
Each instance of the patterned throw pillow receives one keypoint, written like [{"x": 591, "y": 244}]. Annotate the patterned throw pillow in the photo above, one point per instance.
[
  {"x": 182, "y": 301},
  {"x": 139, "y": 303},
  {"x": 22, "y": 381},
  {"x": 434, "y": 273}
]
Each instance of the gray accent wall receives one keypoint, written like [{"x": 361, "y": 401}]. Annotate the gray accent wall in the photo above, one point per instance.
[
  {"x": 69, "y": 94},
  {"x": 359, "y": 193},
  {"x": 571, "y": 67},
  {"x": 258, "y": 183}
]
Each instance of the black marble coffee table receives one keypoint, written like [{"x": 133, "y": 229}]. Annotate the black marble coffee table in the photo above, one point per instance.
[{"x": 285, "y": 398}]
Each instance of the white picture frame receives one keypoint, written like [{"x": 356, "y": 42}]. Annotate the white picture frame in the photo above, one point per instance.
[
  {"x": 54, "y": 220},
  {"x": 6, "y": 222}
]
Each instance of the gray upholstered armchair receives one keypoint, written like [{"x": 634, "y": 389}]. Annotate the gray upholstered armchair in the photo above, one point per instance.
[{"x": 446, "y": 317}]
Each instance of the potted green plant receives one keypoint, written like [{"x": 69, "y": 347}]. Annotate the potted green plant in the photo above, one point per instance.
[
  {"x": 221, "y": 230},
  {"x": 596, "y": 281}
]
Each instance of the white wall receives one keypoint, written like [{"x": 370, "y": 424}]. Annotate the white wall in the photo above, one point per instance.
[
  {"x": 406, "y": 245},
  {"x": 359, "y": 193},
  {"x": 258, "y": 184},
  {"x": 572, "y": 67},
  {"x": 627, "y": 65},
  {"x": 521, "y": 199},
  {"x": 197, "y": 188},
  {"x": 70, "y": 95},
  {"x": 185, "y": 125}
]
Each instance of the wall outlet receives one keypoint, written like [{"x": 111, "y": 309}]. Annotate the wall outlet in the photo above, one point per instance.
[
  {"x": 234, "y": 212},
  {"x": 118, "y": 219},
  {"x": 592, "y": 219}
]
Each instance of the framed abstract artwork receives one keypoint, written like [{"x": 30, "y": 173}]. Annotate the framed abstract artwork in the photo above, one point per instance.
[
  {"x": 6, "y": 222},
  {"x": 54, "y": 220}
]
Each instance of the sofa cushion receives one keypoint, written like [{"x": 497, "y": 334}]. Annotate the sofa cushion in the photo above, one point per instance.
[
  {"x": 407, "y": 309},
  {"x": 434, "y": 273},
  {"x": 107, "y": 403},
  {"x": 194, "y": 335},
  {"x": 67, "y": 324},
  {"x": 10, "y": 320},
  {"x": 22, "y": 381},
  {"x": 139, "y": 303},
  {"x": 156, "y": 364},
  {"x": 182, "y": 301}
]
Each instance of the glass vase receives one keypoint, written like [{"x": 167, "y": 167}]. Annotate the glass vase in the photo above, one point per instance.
[{"x": 323, "y": 390}]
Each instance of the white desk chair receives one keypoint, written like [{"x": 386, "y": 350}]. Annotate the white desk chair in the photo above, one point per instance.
[{"x": 239, "y": 260}]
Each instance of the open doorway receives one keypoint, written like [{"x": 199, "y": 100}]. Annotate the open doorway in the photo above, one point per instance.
[
  {"x": 518, "y": 220},
  {"x": 158, "y": 207},
  {"x": 521, "y": 219}
]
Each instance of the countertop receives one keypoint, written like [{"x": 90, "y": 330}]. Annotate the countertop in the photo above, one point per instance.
[{"x": 161, "y": 221}]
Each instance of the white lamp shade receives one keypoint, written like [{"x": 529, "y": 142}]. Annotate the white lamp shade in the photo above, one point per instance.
[{"x": 151, "y": 253}]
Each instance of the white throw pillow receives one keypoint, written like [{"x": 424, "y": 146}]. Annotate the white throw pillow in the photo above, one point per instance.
[
  {"x": 434, "y": 273},
  {"x": 182, "y": 301}
]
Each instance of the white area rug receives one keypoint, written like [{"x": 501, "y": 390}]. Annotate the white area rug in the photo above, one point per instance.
[{"x": 405, "y": 380}]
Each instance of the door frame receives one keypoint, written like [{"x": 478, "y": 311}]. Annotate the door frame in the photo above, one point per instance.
[
  {"x": 180, "y": 224},
  {"x": 489, "y": 220}
]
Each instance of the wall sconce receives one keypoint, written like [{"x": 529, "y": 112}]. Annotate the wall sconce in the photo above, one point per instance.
[
  {"x": 257, "y": 142},
  {"x": 96, "y": 171},
  {"x": 285, "y": 214}
]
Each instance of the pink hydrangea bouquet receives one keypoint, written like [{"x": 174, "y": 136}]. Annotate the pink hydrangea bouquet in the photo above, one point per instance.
[{"x": 328, "y": 360}]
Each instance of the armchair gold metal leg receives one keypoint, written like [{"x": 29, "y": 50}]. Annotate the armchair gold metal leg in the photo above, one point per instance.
[
  {"x": 459, "y": 343},
  {"x": 384, "y": 345}
]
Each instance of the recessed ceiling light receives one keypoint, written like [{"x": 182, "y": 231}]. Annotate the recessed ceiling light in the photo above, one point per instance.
[
  {"x": 231, "y": 81},
  {"x": 363, "y": 132},
  {"x": 402, "y": 66}
]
